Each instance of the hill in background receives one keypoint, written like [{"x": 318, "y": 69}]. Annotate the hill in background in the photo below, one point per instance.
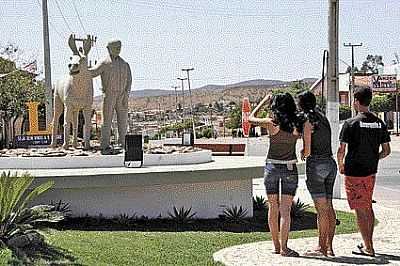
[{"x": 254, "y": 89}]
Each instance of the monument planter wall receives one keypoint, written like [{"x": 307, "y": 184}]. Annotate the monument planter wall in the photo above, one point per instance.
[{"x": 150, "y": 191}]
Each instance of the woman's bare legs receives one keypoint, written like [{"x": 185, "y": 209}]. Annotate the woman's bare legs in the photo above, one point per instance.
[
  {"x": 332, "y": 228},
  {"x": 273, "y": 223},
  {"x": 323, "y": 218},
  {"x": 326, "y": 220},
  {"x": 284, "y": 208}
]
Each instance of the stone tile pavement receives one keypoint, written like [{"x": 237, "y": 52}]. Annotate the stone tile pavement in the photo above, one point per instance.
[{"x": 386, "y": 239}]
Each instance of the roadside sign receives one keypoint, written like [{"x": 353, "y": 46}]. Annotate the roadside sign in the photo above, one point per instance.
[
  {"x": 383, "y": 83},
  {"x": 25, "y": 141}
]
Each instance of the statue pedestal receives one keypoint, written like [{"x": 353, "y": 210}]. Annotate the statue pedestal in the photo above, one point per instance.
[{"x": 150, "y": 191}]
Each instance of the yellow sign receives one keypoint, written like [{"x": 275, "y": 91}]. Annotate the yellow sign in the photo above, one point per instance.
[{"x": 34, "y": 121}]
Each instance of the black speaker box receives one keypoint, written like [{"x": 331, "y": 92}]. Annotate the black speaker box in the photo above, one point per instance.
[{"x": 133, "y": 151}]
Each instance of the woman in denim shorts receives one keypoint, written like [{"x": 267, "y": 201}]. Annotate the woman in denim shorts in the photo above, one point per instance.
[
  {"x": 280, "y": 166},
  {"x": 321, "y": 170}
]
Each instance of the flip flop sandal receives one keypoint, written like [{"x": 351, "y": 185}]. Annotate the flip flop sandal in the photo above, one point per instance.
[
  {"x": 362, "y": 251},
  {"x": 290, "y": 253}
]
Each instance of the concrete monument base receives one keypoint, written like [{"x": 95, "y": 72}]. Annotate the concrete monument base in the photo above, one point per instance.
[{"x": 150, "y": 191}]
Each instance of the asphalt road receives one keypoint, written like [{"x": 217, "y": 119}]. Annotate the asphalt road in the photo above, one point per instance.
[{"x": 388, "y": 177}]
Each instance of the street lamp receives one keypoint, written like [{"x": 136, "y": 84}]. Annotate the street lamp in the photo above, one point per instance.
[
  {"x": 190, "y": 97},
  {"x": 183, "y": 98},
  {"x": 176, "y": 104}
]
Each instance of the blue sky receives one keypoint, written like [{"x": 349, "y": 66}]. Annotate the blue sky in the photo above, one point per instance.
[{"x": 225, "y": 41}]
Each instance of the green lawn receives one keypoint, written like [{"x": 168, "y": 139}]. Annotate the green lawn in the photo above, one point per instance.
[{"x": 154, "y": 248}]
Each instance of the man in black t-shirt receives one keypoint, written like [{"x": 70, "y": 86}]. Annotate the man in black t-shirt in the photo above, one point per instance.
[{"x": 362, "y": 135}]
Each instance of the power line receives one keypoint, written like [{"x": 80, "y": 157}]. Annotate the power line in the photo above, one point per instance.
[
  {"x": 62, "y": 15},
  {"x": 209, "y": 12},
  {"x": 51, "y": 24},
  {"x": 79, "y": 17},
  {"x": 216, "y": 12}
]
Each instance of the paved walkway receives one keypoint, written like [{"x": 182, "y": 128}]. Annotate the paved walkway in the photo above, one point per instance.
[{"x": 386, "y": 239}]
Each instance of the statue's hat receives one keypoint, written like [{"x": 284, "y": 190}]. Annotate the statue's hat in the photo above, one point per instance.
[{"x": 114, "y": 43}]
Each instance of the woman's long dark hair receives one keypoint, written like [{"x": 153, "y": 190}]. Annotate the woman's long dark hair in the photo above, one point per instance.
[
  {"x": 285, "y": 113},
  {"x": 309, "y": 109}
]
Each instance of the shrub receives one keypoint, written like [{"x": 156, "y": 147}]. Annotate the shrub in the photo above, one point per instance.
[
  {"x": 199, "y": 135},
  {"x": 207, "y": 133},
  {"x": 383, "y": 103},
  {"x": 234, "y": 214},
  {"x": 182, "y": 216},
  {"x": 298, "y": 209},
  {"x": 62, "y": 207},
  {"x": 344, "y": 112},
  {"x": 125, "y": 220},
  {"x": 18, "y": 222},
  {"x": 259, "y": 203}
]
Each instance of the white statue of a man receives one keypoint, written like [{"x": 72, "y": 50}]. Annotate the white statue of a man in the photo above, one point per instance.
[{"x": 116, "y": 79}]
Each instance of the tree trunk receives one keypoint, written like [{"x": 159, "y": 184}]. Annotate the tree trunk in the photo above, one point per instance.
[
  {"x": 13, "y": 130},
  {"x": 6, "y": 135},
  {"x": 22, "y": 130},
  {"x": 2, "y": 139}
]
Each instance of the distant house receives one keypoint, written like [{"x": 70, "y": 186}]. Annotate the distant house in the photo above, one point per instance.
[
  {"x": 383, "y": 82},
  {"x": 361, "y": 80},
  {"x": 344, "y": 87}
]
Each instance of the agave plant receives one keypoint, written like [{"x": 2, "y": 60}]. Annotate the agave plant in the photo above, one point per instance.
[
  {"x": 62, "y": 207},
  {"x": 298, "y": 209},
  {"x": 124, "y": 219},
  {"x": 259, "y": 203},
  {"x": 235, "y": 214},
  {"x": 17, "y": 221},
  {"x": 182, "y": 215}
]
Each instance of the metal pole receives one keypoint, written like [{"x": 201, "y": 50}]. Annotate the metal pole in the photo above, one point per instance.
[
  {"x": 160, "y": 120},
  {"x": 332, "y": 110},
  {"x": 397, "y": 112},
  {"x": 223, "y": 124},
  {"x": 190, "y": 98},
  {"x": 353, "y": 82},
  {"x": 183, "y": 98},
  {"x": 325, "y": 59},
  {"x": 47, "y": 64},
  {"x": 176, "y": 104}
]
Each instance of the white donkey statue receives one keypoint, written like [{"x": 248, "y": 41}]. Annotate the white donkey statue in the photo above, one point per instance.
[{"x": 73, "y": 94}]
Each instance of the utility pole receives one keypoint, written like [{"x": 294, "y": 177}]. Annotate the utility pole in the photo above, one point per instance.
[
  {"x": 353, "y": 83},
  {"x": 325, "y": 59},
  {"x": 190, "y": 98},
  {"x": 47, "y": 64},
  {"x": 223, "y": 123},
  {"x": 397, "y": 109},
  {"x": 183, "y": 98},
  {"x": 176, "y": 104},
  {"x": 160, "y": 120},
  {"x": 332, "y": 110}
]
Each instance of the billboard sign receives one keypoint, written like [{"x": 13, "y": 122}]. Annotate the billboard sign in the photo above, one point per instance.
[{"x": 383, "y": 83}]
